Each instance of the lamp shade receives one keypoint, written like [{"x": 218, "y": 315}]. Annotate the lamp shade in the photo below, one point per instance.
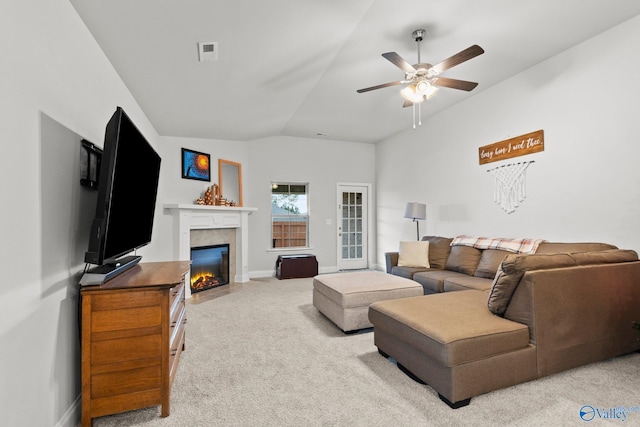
[{"x": 415, "y": 210}]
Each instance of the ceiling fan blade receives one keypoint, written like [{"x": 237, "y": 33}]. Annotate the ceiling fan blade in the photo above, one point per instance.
[
  {"x": 399, "y": 62},
  {"x": 458, "y": 58},
  {"x": 454, "y": 83},
  {"x": 367, "y": 89}
]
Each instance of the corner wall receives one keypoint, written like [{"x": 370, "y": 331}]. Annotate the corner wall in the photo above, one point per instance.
[
  {"x": 585, "y": 186},
  {"x": 320, "y": 163},
  {"x": 57, "y": 86},
  {"x": 174, "y": 189}
]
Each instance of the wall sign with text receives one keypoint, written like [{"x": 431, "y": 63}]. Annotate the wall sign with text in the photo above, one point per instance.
[{"x": 519, "y": 146}]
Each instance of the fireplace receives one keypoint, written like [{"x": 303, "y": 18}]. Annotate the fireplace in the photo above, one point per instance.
[
  {"x": 189, "y": 219},
  {"x": 209, "y": 267}
]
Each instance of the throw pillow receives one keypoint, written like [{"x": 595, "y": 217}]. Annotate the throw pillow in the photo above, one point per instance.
[
  {"x": 463, "y": 259},
  {"x": 490, "y": 261},
  {"x": 414, "y": 254},
  {"x": 511, "y": 271},
  {"x": 439, "y": 248}
]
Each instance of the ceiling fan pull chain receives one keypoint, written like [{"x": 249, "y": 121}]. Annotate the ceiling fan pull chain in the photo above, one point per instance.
[
  {"x": 420, "y": 114},
  {"x": 414, "y": 115}
]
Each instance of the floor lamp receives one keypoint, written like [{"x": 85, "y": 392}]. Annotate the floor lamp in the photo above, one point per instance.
[{"x": 416, "y": 211}]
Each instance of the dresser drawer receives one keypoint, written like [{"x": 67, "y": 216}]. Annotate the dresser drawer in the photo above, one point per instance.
[
  {"x": 176, "y": 349},
  {"x": 176, "y": 326},
  {"x": 126, "y": 349},
  {"x": 176, "y": 295},
  {"x": 177, "y": 291}
]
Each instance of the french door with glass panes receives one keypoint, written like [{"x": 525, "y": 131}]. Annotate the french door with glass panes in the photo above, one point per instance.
[{"x": 352, "y": 227}]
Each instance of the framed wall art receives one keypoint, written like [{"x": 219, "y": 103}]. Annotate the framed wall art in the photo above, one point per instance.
[{"x": 196, "y": 165}]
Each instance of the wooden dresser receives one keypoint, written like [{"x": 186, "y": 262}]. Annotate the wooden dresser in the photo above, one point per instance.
[{"x": 133, "y": 329}]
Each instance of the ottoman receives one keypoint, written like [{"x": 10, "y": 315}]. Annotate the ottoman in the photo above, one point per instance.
[{"x": 344, "y": 298}]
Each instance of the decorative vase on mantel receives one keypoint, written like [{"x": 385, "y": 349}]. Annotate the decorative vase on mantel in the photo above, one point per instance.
[{"x": 211, "y": 196}]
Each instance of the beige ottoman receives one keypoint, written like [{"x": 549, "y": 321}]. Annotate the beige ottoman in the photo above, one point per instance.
[{"x": 345, "y": 297}]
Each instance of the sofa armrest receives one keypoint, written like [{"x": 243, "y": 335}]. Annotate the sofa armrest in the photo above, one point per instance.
[
  {"x": 391, "y": 260},
  {"x": 578, "y": 315}
]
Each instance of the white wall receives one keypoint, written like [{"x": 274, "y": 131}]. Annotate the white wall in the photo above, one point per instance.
[
  {"x": 56, "y": 85},
  {"x": 585, "y": 186},
  {"x": 320, "y": 163},
  {"x": 174, "y": 189}
]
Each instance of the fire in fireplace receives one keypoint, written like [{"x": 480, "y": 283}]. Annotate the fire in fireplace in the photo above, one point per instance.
[{"x": 209, "y": 267}]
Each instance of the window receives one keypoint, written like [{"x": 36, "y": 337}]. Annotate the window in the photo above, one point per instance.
[{"x": 289, "y": 215}]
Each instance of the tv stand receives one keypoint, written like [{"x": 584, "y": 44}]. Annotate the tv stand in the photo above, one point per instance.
[
  {"x": 100, "y": 274},
  {"x": 132, "y": 337}
]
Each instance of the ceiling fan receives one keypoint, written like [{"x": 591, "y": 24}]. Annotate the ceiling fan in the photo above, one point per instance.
[{"x": 423, "y": 79}]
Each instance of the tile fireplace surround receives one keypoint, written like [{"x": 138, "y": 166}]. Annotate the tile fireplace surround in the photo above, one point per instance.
[{"x": 197, "y": 217}]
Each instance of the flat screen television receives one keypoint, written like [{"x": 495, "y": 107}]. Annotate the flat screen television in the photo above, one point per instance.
[{"x": 126, "y": 201}]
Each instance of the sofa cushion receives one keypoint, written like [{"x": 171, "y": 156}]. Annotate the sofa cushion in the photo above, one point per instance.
[
  {"x": 450, "y": 336},
  {"x": 407, "y": 272},
  {"x": 610, "y": 256},
  {"x": 439, "y": 248},
  {"x": 433, "y": 280},
  {"x": 414, "y": 254},
  {"x": 556, "y": 247},
  {"x": 490, "y": 260},
  {"x": 515, "y": 266},
  {"x": 463, "y": 259},
  {"x": 465, "y": 283}
]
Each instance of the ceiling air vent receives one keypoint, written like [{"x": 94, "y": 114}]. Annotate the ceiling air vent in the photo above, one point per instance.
[{"x": 207, "y": 51}]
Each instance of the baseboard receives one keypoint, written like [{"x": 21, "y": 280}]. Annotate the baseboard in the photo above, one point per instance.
[
  {"x": 321, "y": 270},
  {"x": 271, "y": 273},
  {"x": 71, "y": 417},
  {"x": 262, "y": 273}
]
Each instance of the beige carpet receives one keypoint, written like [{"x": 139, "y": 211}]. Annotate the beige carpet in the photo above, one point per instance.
[{"x": 263, "y": 356}]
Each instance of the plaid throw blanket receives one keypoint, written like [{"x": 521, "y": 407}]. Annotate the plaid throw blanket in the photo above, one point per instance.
[{"x": 520, "y": 246}]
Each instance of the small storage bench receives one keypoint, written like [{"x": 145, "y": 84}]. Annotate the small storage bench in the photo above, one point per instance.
[
  {"x": 296, "y": 266},
  {"x": 344, "y": 298}
]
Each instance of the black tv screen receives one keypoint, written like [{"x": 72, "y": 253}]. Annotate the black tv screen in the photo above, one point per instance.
[{"x": 127, "y": 190}]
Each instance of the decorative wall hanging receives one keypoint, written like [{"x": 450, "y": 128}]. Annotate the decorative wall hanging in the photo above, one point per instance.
[
  {"x": 196, "y": 165},
  {"x": 509, "y": 185},
  {"x": 519, "y": 146}
]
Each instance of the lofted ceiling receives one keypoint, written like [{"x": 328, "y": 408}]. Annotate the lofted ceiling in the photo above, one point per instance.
[{"x": 292, "y": 67}]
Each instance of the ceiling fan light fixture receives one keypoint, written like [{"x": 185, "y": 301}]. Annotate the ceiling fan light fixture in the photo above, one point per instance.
[
  {"x": 418, "y": 92},
  {"x": 410, "y": 94},
  {"x": 422, "y": 78},
  {"x": 431, "y": 90}
]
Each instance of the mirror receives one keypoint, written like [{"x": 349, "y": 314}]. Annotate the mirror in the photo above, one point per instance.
[{"x": 230, "y": 180}]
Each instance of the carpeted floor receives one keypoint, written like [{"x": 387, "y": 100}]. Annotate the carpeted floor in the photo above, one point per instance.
[{"x": 262, "y": 355}]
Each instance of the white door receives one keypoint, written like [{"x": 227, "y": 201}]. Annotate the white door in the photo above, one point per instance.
[{"x": 352, "y": 227}]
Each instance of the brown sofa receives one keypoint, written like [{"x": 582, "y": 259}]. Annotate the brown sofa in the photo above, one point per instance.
[{"x": 491, "y": 319}]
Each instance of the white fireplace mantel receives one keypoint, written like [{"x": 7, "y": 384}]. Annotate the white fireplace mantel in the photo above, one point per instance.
[{"x": 188, "y": 217}]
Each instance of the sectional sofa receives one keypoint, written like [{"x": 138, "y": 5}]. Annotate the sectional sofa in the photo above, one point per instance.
[{"x": 493, "y": 317}]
